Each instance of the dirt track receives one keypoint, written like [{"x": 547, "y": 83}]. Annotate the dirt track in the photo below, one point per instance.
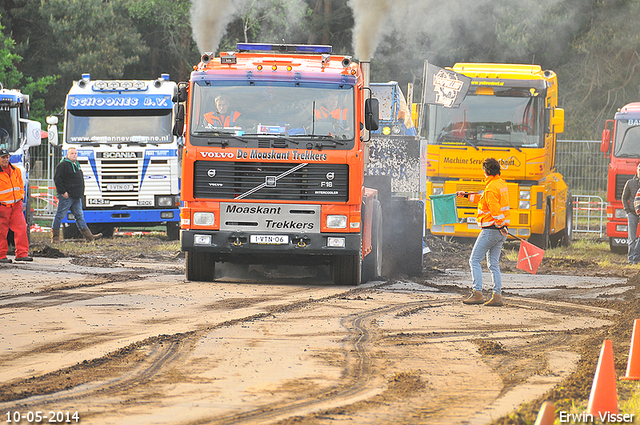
[{"x": 125, "y": 339}]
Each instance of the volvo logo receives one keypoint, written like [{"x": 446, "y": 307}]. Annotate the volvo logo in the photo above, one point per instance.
[
  {"x": 270, "y": 181},
  {"x": 211, "y": 173},
  {"x": 330, "y": 175}
]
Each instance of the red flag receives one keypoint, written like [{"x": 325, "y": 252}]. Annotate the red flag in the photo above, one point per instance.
[{"x": 529, "y": 257}]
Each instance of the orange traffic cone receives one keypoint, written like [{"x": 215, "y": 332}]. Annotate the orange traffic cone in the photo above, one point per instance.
[
  {"x": 604, "y": 394},
  {"x": 547, "y": 414},
  {"x": 633, "y": 364}
]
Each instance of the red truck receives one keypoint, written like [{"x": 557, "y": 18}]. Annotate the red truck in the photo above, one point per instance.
[{"x": 621, "y": 145}]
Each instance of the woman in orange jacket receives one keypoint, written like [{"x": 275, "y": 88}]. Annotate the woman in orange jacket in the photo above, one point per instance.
[{"x": 493, "y": 219}]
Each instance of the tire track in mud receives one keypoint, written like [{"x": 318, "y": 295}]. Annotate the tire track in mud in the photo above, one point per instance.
[{"x": 361, "y": 381}]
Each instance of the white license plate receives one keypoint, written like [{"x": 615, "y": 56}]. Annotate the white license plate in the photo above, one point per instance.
[
  {"x": 120, "y": 187},
  {"x": 270, "y": 239},
  {"x": 471, "y": 220}
]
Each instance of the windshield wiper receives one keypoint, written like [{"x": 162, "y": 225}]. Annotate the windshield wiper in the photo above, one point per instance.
[
  {"x": 498, "y": 139},
  {"x": 222, "y": 135},
  {"x": 443, "y": 137}
]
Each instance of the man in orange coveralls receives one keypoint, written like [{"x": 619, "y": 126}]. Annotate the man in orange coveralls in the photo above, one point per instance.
[{"x": 11, "y": 210}]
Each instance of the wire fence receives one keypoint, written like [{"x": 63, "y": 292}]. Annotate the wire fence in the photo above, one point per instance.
[{"x": 581, "y": 163}]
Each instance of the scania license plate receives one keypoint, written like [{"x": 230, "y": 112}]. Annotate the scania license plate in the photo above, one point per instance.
[
  {"x": 270, "y": 239},
  {"x": 120, "y": 187}
]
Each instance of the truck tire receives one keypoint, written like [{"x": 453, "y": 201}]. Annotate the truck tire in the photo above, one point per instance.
[
  {"x": 105, "y": 229},
  {"x": 347, "y": 270},
  {"x": 200, "y": 266},
  {"x": 563, "y": 237},
  {"x": 173, "y": 231},
  {"x": 542, "y": 240},
  {"x": 372, "y": 263},
  {"x": 70, "y": 231}
]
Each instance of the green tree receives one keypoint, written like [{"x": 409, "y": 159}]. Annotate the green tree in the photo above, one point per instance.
[{"x": 12, "y": 78}]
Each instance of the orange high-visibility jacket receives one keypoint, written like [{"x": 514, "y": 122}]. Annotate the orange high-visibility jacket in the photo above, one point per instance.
[
  {"x": 493, "y": 203},
  {"x": 11, "y": 186},
  {"x": 221, "y": 120}
]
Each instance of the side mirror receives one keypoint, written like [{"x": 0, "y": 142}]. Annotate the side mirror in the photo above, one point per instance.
[
  {"x": 371, "y": 114},
  {"x": 178, "y": 126},
  {"x": 181, "y": 95},
  {"x": 52, "y": 130},
  {"x": 33, "y": 132},
  {"x": 557, "y": 120},
  {"x": 606, "y": 140}
]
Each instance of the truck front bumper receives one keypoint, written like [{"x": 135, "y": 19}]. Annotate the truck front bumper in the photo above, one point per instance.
[{"x": 238, "y": 244}]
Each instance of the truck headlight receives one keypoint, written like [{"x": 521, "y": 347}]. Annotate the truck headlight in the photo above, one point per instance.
[
  {"x": 164, "y": 201},
  {"x": 621, "y": 228},
  {"x": 337, "y": 221},
  {"x": 525, "y": 194},
  {"x": 620, "y": 213},
  {"x": 204, "y": 218},
  {"x": 524, "y": 205},
  {"x": 438, "y": 191}
]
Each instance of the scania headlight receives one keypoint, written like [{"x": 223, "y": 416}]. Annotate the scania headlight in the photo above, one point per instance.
[
  {"x": 164, "y": 201},
  {"x": 337, "y": 221},
  {"x": 204, "y": 218},
  {"x": 620, "y": 213}
]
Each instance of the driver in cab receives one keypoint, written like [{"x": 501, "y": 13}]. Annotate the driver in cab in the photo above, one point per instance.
[
  {"x": 331, "y": 111},
  {"x": 223, "y": 116}
]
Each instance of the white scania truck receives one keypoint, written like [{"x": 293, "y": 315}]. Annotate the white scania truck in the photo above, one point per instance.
[{"x": 128, "y": 154}]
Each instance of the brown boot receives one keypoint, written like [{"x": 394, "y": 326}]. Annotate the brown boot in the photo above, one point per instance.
[
  {"x": 495, "y": 301},
  {"x": 55, "y": 235},
  {"x": 88, "y": 235},
  {"x": 475, "y": 298}
]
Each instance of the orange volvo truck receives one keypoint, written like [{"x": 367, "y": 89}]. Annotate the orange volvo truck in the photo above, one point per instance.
[{"x": 274, "y": 166}]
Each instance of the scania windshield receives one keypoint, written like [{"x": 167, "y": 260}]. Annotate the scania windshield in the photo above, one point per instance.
[
  {"x": 490, "y": 117},
  {"x": 304, "y": 116},
  {"x": 137, "y": 126}
]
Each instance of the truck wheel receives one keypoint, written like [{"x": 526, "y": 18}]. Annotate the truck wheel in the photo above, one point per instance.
[
  {"x": 542, "y": 240},
  {"x": 70, "y": 231},
  {"x": 372, "y": 263},
  {"x": 347, "y": 269},
  {"x": 105, "y": 229},
  {"x": 568, "y": 230},
  {"x": 200, "y": 266},
  {"x": 173, "y": 231}
]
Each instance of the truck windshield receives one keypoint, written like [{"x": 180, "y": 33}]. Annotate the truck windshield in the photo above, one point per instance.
[
  {"x": 506, "y": 118},
  {"x": 627, "y": 143},
  {"x": 147, "y": 126},
  {"x": 9, "y": 130},
  {"x": 242, "y": 115}
]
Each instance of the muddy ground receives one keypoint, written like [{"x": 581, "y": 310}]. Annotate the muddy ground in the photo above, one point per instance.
[{"x": 112, "y": 330}]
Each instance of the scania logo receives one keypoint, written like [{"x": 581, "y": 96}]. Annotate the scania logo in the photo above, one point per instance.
[
  {"x": 119, "y": 155},
  {"x": 211, "y": 173},
  {"x": 330, "y": 175}
]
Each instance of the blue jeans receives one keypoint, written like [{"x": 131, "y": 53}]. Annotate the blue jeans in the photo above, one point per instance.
[
  {"x": 66, "y": 204},
  {"x": 489, "y": 244},
  {"x": 633, "y": 253}
]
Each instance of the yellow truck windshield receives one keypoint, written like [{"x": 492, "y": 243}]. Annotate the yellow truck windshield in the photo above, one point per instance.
[{"x": 512, "y": 118}]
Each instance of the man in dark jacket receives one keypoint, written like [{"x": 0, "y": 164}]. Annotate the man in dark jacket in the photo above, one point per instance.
[
  {"x": 69, "y": 182},
  {"x": 628, "y": 194}
]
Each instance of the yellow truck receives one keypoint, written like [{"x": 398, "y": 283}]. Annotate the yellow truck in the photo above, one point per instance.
[{"x": 510, "y": 112}]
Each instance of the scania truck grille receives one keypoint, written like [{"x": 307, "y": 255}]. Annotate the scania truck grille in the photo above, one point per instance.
[
  {"x": 120, "y": 179},
  {"x": 270, "y": 180}
]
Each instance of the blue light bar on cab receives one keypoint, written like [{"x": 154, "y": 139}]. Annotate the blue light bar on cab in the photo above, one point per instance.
[{"x": 285, "y": 48}]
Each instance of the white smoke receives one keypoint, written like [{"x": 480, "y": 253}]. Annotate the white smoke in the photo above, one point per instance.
[{"x": 209, "y": 20}]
